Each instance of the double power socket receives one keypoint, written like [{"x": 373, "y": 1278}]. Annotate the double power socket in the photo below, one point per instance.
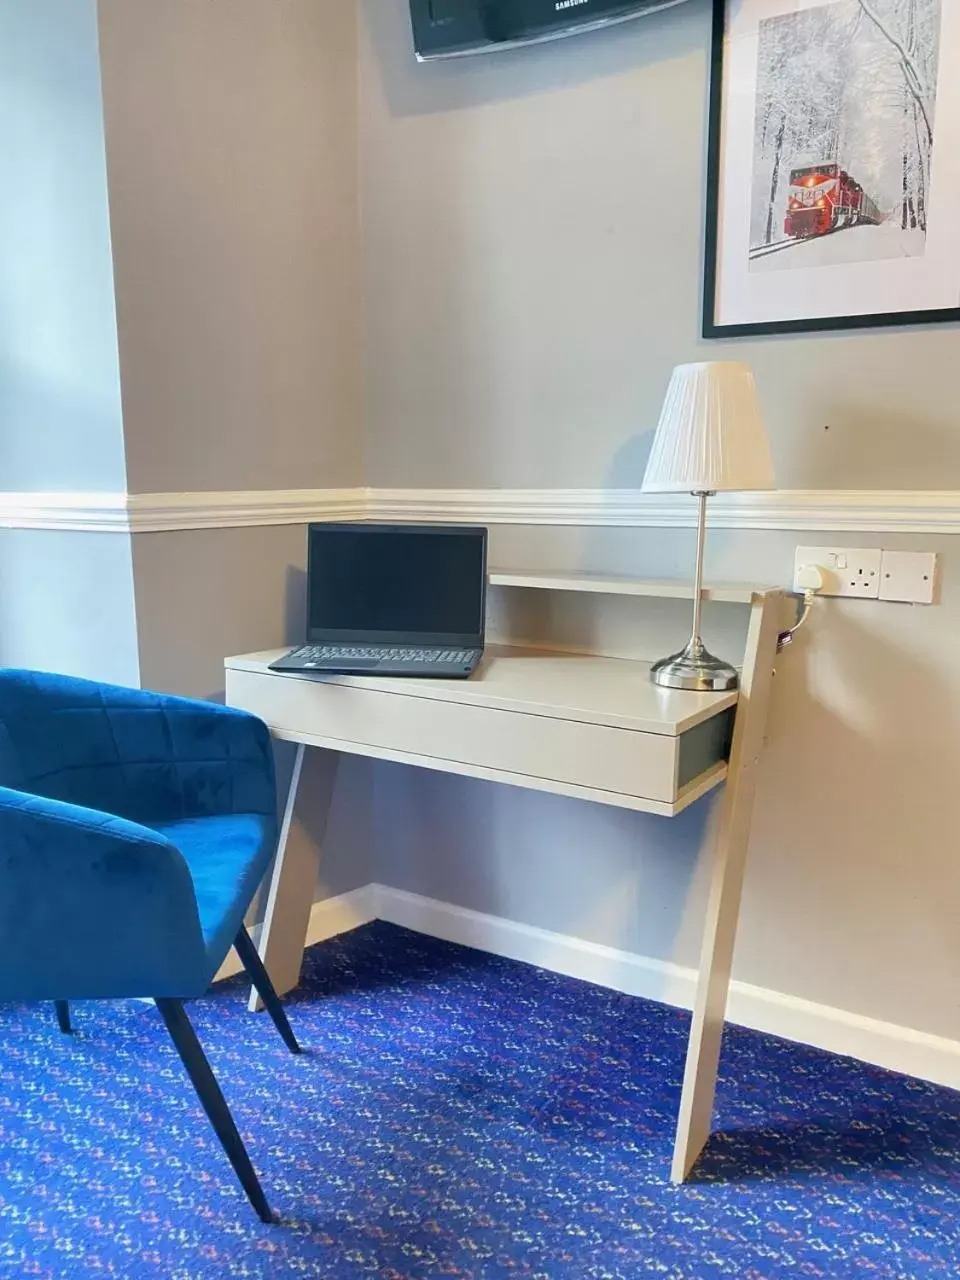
[{"x": 909, "y": 576}]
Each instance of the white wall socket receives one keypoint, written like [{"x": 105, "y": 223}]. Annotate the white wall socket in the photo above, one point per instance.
[
  {"x": 846, "y": 571},
  {"x": 911, "y": 576}
]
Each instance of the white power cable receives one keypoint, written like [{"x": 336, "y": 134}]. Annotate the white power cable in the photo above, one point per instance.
[{"x": 810, "y": 581}]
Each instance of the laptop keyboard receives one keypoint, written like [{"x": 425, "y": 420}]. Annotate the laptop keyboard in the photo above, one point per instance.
[{"x": 381, "y": 653}]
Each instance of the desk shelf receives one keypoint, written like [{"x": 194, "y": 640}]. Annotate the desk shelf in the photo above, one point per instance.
[{"x": 605, "y": 584}]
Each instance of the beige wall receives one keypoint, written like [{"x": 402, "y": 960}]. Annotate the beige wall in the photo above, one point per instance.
[
  {"x": 232, "y": 163},
  {"x": 531, "y": 262},
  {"x": 206, "y": 593},
  {"x": 231, "y": 153},
  {"x": 532, "y": 266}
]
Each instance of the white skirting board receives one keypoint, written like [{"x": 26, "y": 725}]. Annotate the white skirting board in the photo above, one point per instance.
[
  {"x": 328, "y": 918},
  {"x": 884, "y": 1044}
]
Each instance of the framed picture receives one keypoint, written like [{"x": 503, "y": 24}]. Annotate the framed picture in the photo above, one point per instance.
[{"x": 833, "y": 191}]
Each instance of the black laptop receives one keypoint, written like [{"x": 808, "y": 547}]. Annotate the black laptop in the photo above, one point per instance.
[{"x": 402, "y": 600}]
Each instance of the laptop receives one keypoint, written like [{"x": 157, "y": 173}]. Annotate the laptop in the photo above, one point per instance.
[{"x": 399, "y": 600}]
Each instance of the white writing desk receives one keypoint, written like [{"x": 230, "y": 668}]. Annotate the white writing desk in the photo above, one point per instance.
[{"x": 574, "y": 724}]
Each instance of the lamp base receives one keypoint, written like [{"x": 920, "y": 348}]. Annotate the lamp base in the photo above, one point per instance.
[{"x": 695, "y": 668}]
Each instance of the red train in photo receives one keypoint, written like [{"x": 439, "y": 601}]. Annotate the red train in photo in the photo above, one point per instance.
[{"x": 822, "y": 198}]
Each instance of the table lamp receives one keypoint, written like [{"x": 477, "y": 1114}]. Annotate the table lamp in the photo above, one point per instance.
[{"x": 710, "y": 439}]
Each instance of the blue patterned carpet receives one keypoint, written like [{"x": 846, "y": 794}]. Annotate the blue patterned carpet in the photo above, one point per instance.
[{"x": 459, "y": 1116}]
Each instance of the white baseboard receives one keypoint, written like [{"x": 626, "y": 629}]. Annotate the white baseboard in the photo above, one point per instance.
[
  {"x": 816, "y": 510},
  {"x": 328, "y": 918},
  {"x": 884, "y": 1044}
]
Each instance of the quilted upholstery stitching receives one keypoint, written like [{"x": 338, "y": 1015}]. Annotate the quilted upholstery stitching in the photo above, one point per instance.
[
  {"x": 113, "y": 736},
  {"x": 221, "y": 772},
  {"x": 150, "y": 759},
  {"x": 166, "y": 722}
]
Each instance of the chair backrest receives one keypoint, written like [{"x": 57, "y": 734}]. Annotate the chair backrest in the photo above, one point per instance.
[
  {"x": 143, "y": 756},
  {"x": 94, "y": 903}
]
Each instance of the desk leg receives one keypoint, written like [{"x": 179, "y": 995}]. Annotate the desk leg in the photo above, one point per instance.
[
  {"x": 723, "y": 906},
  {"x": 293, "y": 883}
]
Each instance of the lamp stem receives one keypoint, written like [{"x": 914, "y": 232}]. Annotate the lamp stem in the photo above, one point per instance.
[
  {"x": 695, "y": 667},
  {"x": 696, "y": 642}
]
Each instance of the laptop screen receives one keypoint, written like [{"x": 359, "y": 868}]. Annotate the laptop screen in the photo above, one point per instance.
[{"x": 396, "y": 583}]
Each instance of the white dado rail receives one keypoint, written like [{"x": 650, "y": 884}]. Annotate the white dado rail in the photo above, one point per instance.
[{"x": 851, "y": 510}]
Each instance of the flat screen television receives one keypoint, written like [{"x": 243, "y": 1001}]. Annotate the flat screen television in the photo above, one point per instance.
[{"x": 452, "y": 28}]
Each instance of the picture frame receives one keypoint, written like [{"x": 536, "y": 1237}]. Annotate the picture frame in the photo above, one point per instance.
[{"x": 830, "y": 201}]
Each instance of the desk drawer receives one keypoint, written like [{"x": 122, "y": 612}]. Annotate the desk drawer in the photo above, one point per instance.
[{"x": 560, "y": 751}]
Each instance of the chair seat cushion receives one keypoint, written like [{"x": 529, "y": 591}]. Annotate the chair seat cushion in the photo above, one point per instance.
[{"x": 227, "y": 856}]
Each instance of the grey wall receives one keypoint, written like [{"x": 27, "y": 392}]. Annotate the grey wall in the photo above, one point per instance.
[
  {"x": 60, "y": 420},
  {"x": 532, "y": 266},
  {"x": 531, "y": 259},
  {"x": 231, "y": 148},
  {"x": 60, "y": 424},
  {"x": 66, "y": 604}
]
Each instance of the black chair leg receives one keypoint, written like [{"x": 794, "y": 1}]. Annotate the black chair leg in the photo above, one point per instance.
[
  {"x": 250, "y": 959},
  {"x": 208, "y": 1091},
  {"x": 63, "y": 1016}
]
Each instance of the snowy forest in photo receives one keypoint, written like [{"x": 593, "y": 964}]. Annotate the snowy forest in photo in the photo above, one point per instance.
[{"x": 850, "y": 84}]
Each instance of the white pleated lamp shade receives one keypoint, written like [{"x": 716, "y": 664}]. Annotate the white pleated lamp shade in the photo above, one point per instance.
[{"x": 711, "y": 436}]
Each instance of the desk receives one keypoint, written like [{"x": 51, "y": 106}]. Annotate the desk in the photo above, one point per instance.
[{"x": 575, "y": 724}]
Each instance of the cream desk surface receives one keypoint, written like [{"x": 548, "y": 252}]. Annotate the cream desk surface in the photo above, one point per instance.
[{"x": 577, "y": 724}]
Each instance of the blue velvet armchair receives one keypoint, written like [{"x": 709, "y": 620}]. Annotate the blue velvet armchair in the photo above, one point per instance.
[{"x": 135, "y": 829}]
